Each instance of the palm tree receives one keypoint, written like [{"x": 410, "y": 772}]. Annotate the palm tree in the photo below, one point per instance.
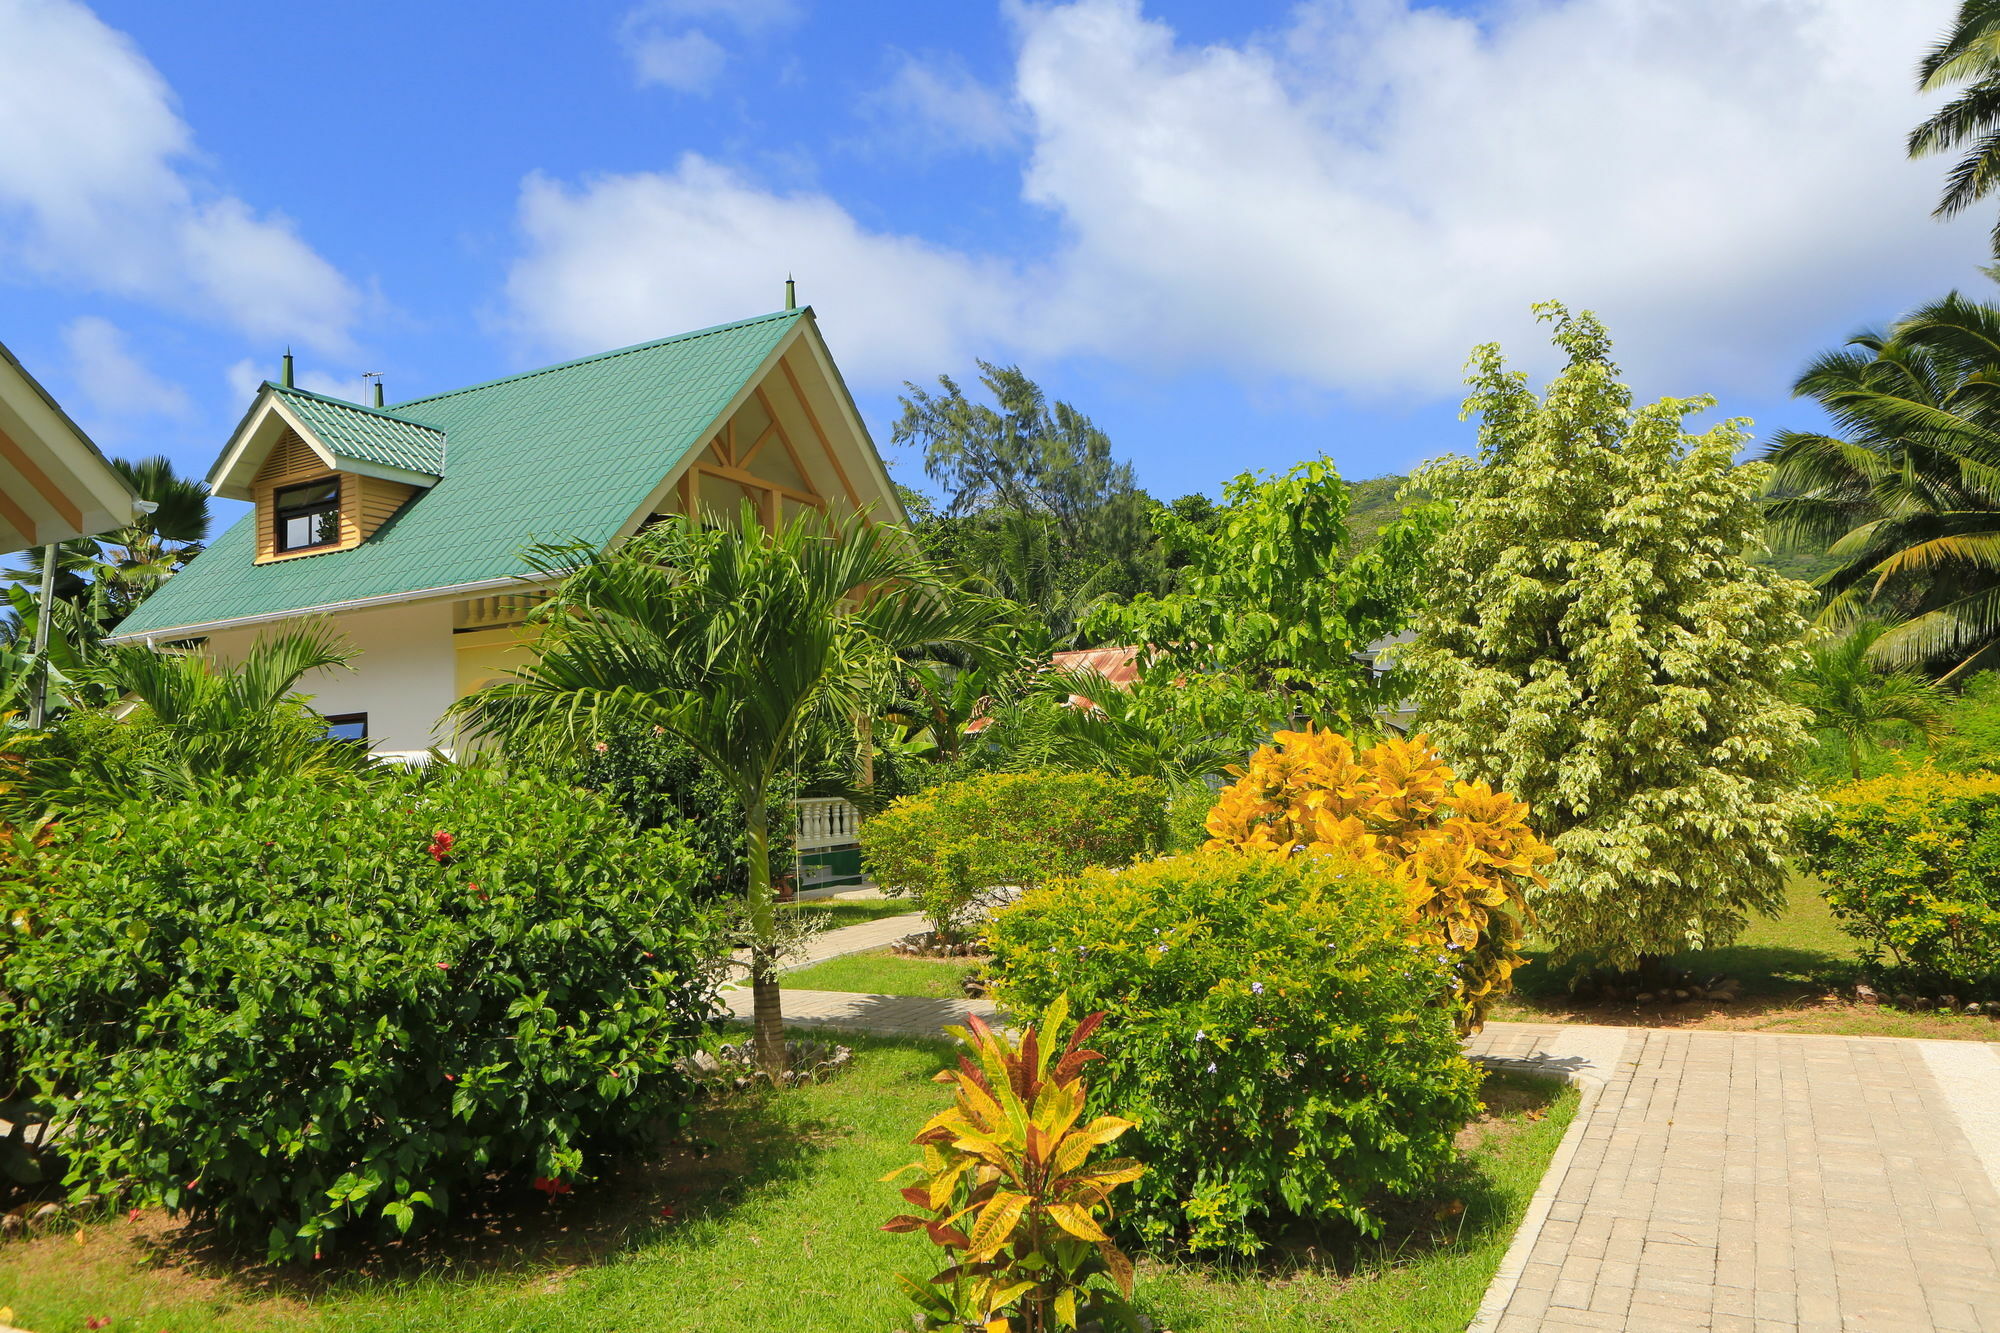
[
  {"x": 1908, "y": 493},
  {"x": 1854, "y": 701},
  {"x": 1968, "y": 54},
  {"x": 113, "y": 572},
  {"x": 741, "y": 642}
]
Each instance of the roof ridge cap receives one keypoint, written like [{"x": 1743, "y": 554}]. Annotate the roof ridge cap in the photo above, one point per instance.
[
  {"x": 605, "y": 356},
  {"x": 389, "y": 413}
]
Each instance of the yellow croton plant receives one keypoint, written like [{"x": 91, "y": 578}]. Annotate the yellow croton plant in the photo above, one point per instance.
[{"x": 1462, "y": 852}]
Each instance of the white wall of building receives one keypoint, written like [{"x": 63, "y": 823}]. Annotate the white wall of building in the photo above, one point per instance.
[{"x": 403, "y": 678}]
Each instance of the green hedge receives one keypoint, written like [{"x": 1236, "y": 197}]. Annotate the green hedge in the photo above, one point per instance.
[
  {"x": 294, "y": 1008},
  {"x": 1911, "y": 865},
  {"x": 1271, "y": 1028},
  {"x": 947, "y": 846}
]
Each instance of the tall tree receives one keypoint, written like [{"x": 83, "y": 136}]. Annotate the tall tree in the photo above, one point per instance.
[
  {"x": 1908, "y": 491},
  {"x": 1968, "y": 55},
  {"x": 1595, "y": 640},
  {"x": 1271, "y": 599},
  {"x": 739, "y": 641},
  {"x": 110, "y": 573}
]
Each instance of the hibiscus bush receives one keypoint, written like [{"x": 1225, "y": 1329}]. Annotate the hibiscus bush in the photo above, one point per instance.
[
  {"x": 1271, "y": 1026},
  {"x": 948, "y": 846},
  {"x": 300, "y": 1010}
]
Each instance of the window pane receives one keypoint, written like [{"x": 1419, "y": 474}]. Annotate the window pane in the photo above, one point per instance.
[
  {"x": 347, "y": 727},
  {"x": 318, "y": 492}
]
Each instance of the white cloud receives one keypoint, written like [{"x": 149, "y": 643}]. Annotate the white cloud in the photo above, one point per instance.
[
  {"x": 625, "y": 258},
  {"x": 666, "y": 48},
  {"x": 935, "y": 103},
  {"x": 688, "y": 62},
  {"x": 97, "y": 189},
  {"x": 111, "y": 375},
  {"x": 1354, "y": 201}
]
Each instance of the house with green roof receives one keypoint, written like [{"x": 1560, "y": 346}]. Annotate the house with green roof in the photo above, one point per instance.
[{"x": 406, "y": 524}]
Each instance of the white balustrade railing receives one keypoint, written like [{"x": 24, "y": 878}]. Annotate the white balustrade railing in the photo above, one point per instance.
[{"x": 827, "y": 821}]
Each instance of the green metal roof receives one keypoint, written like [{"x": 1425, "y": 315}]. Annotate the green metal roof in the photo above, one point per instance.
[
  {"x": 366, "y": 434},
  {"x": 566, "y": 453}
]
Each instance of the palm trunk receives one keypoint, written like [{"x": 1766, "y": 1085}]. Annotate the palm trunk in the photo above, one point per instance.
[{"x": 767, "y": 1014}]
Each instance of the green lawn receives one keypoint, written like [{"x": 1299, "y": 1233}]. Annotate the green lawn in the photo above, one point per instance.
[
  {"x": 879, "y": 972},
  {"x": 774, "y": 1229},
  {"x": 1787, "y": 965},
  {"x": 853, "y": 911}
]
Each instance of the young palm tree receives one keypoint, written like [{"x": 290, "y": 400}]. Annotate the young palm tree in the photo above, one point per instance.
[
  {"x": 1853, "y": 700},
  {"x": 1908, "y": 492},
  {"x": 1968, "y": 54},
  {"x": 739, "y": 642}
]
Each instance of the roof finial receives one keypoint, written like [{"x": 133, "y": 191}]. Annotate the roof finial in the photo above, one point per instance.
[
  {"x": 374, "y": 377},
  {"x": 791, "y": 293},
  {"x": 285, "y": 376}
]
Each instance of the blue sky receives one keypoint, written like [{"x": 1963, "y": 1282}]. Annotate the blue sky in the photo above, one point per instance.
[{"x": 1236, "y": 235}]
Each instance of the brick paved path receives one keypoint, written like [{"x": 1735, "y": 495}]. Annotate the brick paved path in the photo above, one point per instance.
[{"x": 1756, "y": 1183}]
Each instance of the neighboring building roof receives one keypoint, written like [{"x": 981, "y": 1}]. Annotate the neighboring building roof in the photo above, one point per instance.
[
  {"x": 368, "y": 434},
  {"x": 54, "y": 484},
  {"x": 566, "y": 453}
]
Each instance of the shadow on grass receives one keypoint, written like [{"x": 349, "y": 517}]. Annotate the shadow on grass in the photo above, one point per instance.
[
  {"x": 739, "y": 1145},
  {"x": 1466, "y": 1206}
]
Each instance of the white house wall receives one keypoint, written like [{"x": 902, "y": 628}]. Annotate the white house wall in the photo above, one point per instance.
[{"x": 403, "y": 678}]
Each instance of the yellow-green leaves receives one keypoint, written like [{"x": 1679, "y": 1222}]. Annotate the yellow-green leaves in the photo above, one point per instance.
[{"x": 1011, "y": 1192}]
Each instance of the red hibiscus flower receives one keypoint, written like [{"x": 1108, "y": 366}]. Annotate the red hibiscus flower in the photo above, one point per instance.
[
  {"x": 440, "y": 848},
  {"x": 551, "y": 1187}
]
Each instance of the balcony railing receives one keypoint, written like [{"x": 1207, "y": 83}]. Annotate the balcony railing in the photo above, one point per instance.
[{"x": 827, "y": 821}]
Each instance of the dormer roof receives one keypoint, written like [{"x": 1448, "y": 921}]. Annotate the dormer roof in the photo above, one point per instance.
[{"x": 368, "y": 441}]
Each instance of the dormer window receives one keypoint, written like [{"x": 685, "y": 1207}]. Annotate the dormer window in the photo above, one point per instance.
[{"x": 307, "y": 516}]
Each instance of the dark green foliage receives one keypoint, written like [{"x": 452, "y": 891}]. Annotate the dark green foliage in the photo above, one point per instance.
[
  {"x": 951, "y": 844},
  {"x": 1272, "y": 1029},
  {"x": 292, "y": 1008},
  {"x": 1911, "y": 864},
  {"x": 658, "y": 782}
]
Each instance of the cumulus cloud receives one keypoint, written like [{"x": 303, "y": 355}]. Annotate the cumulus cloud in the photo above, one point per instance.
[
  {"x": 98, "y": 189},
  {"x": 1353, "y": 201},
  {"x": 113, "y": 378},
  {"x": 935, "y": 104},
  {"x": 622, "y": 259},
  {"x": 666, "y": 47}
]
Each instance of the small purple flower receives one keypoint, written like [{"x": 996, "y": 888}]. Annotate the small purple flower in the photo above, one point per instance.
[
  {"x": 1211, "y": 1066},
  {"x": 1200, "y": 1033},
  {"x": 1256, "y": 988}
]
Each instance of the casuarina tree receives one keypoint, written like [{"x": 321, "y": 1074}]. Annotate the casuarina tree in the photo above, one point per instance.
[{"x": 1596, "y": 640}]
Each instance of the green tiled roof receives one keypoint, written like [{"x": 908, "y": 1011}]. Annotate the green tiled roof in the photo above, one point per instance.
[
  {"x": 565, "y": 453},
  {"x": 367, "y": 434}
]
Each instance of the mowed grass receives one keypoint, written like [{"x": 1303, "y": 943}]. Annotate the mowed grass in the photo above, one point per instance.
[
  {"x": 774, "y": 1227},
  {"x": 851, "y": 911},
  {"x": 1790, "y": 967},
  {"x": 880, "y": 972}
]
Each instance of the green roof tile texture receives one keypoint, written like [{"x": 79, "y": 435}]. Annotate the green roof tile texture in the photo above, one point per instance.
[
  {"x": 367, "y": 434},
  {"x": 564, "y": 453}
]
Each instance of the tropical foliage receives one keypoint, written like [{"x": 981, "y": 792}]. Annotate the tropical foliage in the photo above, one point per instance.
[
  {"x": 299, "y": 1008},
  {"x": 1911, "y": 865},
  {"x": 952, "y": 845},
  {"x": 1857, "y": 705},
  {"x": 1461, "y": 852},
  {"x": 1906, "y": 494},
  {"x": 740, "y": 642},
  {"x": 1968, "y": 55},
  {"x": 1272, "y": 1029},
  {"x": 1008, "y": 1187},
  {"x": 1594, "y": 641}
]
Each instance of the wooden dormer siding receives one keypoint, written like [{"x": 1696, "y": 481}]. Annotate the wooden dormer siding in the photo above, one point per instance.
[{"x": 365, "y": 502}]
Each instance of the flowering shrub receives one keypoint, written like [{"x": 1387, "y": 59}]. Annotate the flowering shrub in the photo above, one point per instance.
[
  {"x": 1008, "y": 1189},
  {"x": 1461, "y": 851},
  {"x": 949, "y": 845},
  {"x": 1911, "y": 864},
  {"x": 293, "y": 1008},
  {"x": 1272, "y": 1029}
]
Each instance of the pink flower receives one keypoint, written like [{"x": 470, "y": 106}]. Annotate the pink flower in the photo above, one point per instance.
[
  {"x": 600, "y": 747},
  {"x": 132, "y": 1216}
]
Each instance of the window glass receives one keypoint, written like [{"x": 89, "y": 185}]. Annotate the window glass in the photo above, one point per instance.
[
  {"x": 308, "y": 515},
  {"x": 347, "y": 727}
]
